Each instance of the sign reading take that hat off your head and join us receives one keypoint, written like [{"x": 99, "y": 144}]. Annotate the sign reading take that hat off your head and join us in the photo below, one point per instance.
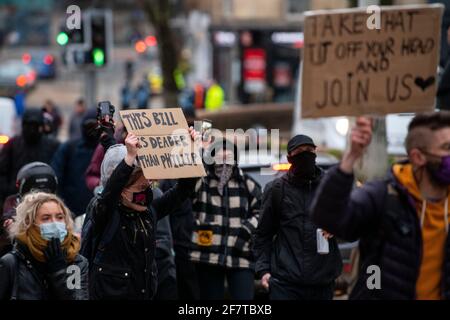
[
  {"x": 350, "y": 69},
  {"x": 166, "y": 149}
]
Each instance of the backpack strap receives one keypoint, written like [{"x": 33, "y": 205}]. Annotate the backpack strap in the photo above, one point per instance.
[
  {"x": 94, "y": 246},
  {"x": 15, "y": 288},
  {"x": 106, "y": 237},
  {"x": 11, "y": 260},
  {"x": 277, "y": 196}
]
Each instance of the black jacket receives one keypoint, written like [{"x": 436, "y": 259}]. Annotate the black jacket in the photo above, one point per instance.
[
  {"x": 17, "y": 153},
  {"x": 164, "y": 254},
  {"x": 383, "y": 216},
  {"x": 181, "y": 223},
  {"x": 126, "y": 268},
  {"x": 26, "y": 279},
  {"x": 285, "y": 243},
  {"x": 70, "y": 163}
]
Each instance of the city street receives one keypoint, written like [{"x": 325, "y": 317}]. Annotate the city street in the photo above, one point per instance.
[{"x": 245, "y": 156}]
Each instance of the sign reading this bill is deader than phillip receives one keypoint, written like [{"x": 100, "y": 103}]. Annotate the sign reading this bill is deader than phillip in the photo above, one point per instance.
[
  {"x": 350, "y": 69},
  {"x": 166, "y": 149}
]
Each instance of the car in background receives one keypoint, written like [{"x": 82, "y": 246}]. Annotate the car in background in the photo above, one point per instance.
[
  {"x": 14, "y": 75},
  {"x": 7, "y": 120},
  {"x": 44, "y": 63}
]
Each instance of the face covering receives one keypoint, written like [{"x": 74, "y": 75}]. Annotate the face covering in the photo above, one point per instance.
[
  {"x": 138, "y": 201},
  {"x": 90, "y": 132},
  {"x": 303, "y": 165},
  {"x": 439, "y": 171},
  {"x": 31, "y": 133},
  {"x": 141, "y": 198},
  {"x": 53, "y": 230},
  {"x": 224, "y": 172}
]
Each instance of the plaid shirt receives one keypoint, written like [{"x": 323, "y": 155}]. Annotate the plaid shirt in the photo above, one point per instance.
[{"x": 224, "y": 224}]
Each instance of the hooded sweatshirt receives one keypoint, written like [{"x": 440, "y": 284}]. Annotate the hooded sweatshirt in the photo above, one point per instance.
[{"x": 434, "y": 235}]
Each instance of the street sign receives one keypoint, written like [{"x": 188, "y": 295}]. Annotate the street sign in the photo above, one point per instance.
[{"x": 254, "y": 70}]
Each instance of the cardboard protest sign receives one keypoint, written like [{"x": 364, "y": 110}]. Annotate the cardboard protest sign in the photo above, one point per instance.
[
  {"x": 351, "y": 68},
  {"x": 166, "y": 148}
]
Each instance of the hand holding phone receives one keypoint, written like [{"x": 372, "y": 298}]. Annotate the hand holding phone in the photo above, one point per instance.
[{"x": 105, "y": 114}]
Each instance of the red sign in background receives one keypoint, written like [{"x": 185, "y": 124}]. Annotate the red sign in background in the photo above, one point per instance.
[{"x": 254, "y": 64}]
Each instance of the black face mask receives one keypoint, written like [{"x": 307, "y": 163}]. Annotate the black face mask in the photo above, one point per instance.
[
  {"x": 31, "y": 133},
  {"x": 143, "y": 198},
  {"x": 303, "y": 165},
  {"x": 90, "y": 132}
]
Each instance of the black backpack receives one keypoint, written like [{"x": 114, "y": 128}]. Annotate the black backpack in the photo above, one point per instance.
[{"x": 92, "y": 244}]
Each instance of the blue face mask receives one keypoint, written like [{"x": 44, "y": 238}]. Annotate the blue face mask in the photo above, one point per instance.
[{"x": 53, "y": 230}]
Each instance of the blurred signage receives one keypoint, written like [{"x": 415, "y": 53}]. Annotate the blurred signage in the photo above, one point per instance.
[
  {"x": 350, "y": 69},
  {"x": 225, "y": 38},
  {"x": 282, "y": 75},
  {"x": 254, "y": 70},
  {"x": 295, "y": 38},
  {"x": 246, "y": 39}
]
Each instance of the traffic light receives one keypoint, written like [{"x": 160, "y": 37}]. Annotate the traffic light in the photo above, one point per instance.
[
  {"x": 100, "y": 25},
  {"x": 70, "y": 36},
  {"x": 72, "y": 42},
  {"x": 62, "y": 39},
  {"x": 91, "y": 45}
]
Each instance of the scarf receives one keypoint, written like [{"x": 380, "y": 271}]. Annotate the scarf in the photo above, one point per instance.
[
  {"x": 36, "y": 244},
  {"x": 224, "y": 173}
]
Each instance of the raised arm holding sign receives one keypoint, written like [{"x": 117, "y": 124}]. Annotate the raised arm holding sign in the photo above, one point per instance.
[
  {"x": 360, "y": 138},
  {"x": 166, "y": 147}
]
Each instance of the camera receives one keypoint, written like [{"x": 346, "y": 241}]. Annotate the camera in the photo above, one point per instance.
[{"x": 105, "y": 113}]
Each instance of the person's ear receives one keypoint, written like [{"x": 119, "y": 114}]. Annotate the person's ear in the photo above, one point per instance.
[{"x": 417, "y": 158}]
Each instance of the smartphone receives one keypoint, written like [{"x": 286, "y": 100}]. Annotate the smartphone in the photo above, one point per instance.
[
  {"x": 104, "y": 109},
  {"x": 206, "y": 127},
  {"x": 322, "y": 243}
]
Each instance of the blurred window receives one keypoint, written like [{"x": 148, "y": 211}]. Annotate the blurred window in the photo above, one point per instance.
[{"x": 295, "y": 7}]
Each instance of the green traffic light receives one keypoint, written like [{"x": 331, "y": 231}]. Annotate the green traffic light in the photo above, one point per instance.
[
  {"x": 98, "y": 56},
  {"x": 62, "y": 38}
]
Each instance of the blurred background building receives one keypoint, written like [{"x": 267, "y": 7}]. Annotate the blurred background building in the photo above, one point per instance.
[{"x": 251, "y": 48}]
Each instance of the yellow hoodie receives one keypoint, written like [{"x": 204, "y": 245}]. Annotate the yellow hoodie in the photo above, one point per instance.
[{"x": 434, "y": 235}]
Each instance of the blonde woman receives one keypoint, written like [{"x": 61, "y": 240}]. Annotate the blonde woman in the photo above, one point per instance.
[{"x": 44, "y": 263}]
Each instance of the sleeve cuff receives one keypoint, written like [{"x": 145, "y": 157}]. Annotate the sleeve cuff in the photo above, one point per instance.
[
  {"x": 123, "y": 164},
  {"x": 261, "y": 273}
]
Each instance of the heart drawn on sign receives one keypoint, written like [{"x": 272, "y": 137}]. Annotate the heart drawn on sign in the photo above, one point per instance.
[{"x": 422, "y": 83}]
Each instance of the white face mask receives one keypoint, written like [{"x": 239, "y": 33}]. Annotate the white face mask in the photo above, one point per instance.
[{"x": 51, "y": 230}]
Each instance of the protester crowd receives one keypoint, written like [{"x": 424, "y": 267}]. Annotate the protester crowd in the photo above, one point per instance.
[{"x": 212, "y": 237}]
